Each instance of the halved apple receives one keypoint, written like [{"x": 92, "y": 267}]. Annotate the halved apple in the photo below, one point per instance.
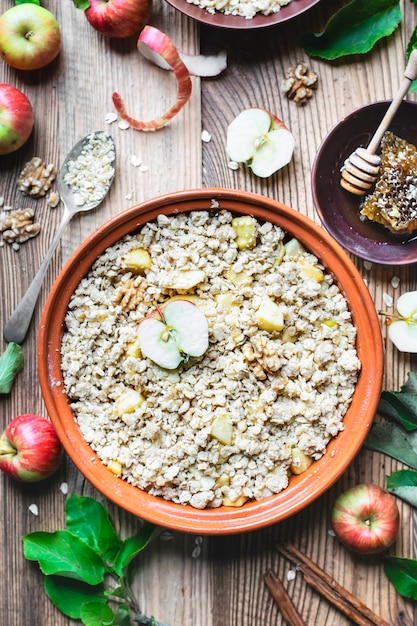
[
  {"x": 172, "y": 333},
  {"x": 403, "y": 329},
  {"x": 261, "y": 140}
]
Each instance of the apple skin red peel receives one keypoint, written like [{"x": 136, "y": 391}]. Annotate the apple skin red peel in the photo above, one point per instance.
[
  {"x": 159, "y": 49},
  {"x": 173, "y": 333},
  {"x": 162, "y": 45}
]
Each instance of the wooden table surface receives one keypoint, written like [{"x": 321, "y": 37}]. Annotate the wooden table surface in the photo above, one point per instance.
[{"x": 223, "y": 584}]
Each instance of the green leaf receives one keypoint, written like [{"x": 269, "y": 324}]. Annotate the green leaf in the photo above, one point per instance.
[
  {"x": 401, "y": 405},
  {"x": 133, "y": 545},
  {"x": 70, "y": 595},
  {"x": 403, "y": 484},
  {"x": 391, "y": 439},
  {"x": 402, "y": 573},
  {"x": 11, "y": 362},
  {"x": 27, "y": 2},
  {"x": 122, "y": 617},
  {"x": 96, "y": 614},
  {"x": 64, "y": 554},
  {"x": 354, "y": 29},
  {"x": 89, "y": 520},
  {"x": 82, "y": 4}
]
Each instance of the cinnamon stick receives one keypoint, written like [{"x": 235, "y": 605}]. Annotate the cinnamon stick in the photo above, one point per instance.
[
  {"x": 337, "y": 595},
  {"x": 283, "y": 600}
]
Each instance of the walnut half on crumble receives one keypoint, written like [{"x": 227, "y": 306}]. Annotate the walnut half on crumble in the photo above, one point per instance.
[{"x": 393, "y": 202}]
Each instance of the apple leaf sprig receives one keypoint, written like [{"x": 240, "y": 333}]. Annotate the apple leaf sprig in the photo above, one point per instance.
[
  {"x": 355, "y": 29},
  {"x": 88, "y": 569},
  {"x": 11, "y": 362},
  {"x": 401, "y": 571},
  {"x": 396, "y": 436}
]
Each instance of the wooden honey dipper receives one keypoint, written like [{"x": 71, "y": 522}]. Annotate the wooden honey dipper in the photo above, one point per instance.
[{"x": 360, "y": 170}]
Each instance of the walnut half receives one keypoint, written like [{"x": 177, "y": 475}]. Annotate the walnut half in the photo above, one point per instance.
[
  {"x": 36, "y": 178},
  {"x": 299, "y": 83},
  {"x": 17, "y": 226}
]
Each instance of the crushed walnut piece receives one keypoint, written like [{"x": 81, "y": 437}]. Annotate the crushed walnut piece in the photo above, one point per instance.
[
  {"x": 299, "y": 83},
  {"x": 129, "y": 293},
  {"x": 263, "y": 355},
  {"x": 36, "y": 178},
  {"x": 18, "y": 226}
]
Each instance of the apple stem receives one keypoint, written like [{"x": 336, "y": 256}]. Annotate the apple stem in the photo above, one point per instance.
[
  {"x": 161, "y": 315},
  {"x": 411, "y": 319}
]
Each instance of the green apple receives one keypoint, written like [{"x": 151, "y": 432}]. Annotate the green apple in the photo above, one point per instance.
[
  {"x": 172, "y": 333},
  {"x": 261, "y": 140},
  {"x": 30, "y": 37}
]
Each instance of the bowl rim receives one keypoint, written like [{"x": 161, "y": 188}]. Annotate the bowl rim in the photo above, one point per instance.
[
  {"x": 237, "y": 22},
  {"x": 383, "y": 248},
  {"x": 303, "y": 489}
]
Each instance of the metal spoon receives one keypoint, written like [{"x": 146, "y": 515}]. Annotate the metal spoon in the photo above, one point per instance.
[
  {"x": 360, "y": 170},
  {"x": 17, "y": 326}
]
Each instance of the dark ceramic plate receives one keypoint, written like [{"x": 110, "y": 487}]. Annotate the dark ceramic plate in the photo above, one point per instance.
[
  {"x": 295, "y": 8},
  {"x": 338, "y": 209}
]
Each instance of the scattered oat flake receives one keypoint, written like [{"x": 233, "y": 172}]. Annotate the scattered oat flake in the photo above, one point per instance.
[
  {"x": 331, "y": 532},
  {"x": 387, "y": 299},
  {"x": 64, "y": 488},
  {"x": 232, "y": 165},
  {"x": 135, "y": 160},
  {"x": 53, "y": 199},
  {"x": 395, "y": 282},
  {"x": 33, "y": 508},
  {"x": 367, "y": 265},
  {"x": 123, "y": 125},
  {"x": 129, "y": 195},
  {"x": 291, "y": 574},
  {"x": 110, "y": 118},
  {"x": 196, "y": 552},
  {"x": 166, "y": 536},
  {"x": 144, "y": 168},
  {"x": 205, "y": 136}
]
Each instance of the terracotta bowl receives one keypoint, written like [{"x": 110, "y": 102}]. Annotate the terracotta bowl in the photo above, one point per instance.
[
  {"x": 235, "y": 22},
  {"x": 303, "y": 489}
]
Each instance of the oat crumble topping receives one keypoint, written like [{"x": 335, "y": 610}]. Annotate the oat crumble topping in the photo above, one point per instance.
[
  {"x": 282, "y": 394},
  {"x": 90, "y": 174},
  {"x": 244, "y": 8}
]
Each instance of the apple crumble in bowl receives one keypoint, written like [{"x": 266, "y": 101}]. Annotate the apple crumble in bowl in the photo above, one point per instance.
[{"x": 214, "y": 364}]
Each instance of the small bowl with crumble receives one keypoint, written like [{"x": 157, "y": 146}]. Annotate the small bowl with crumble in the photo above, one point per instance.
[
  {"x": 211, "y": 360},
  {"x": 381, "y": 225},
  {"x": 244, "y": 14}
]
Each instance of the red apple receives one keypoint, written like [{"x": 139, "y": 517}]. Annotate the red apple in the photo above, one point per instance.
[
  {"x": 30, "y": 37},
  {"x": 366, "y": 519},
  {"x": 16, "y": 119},
  {"x": 30, "y": 450},
  {"x": 116, "y": 18}
]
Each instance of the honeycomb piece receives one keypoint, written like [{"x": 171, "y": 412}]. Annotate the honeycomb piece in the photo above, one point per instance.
[{"x": 393, "y": 202}]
